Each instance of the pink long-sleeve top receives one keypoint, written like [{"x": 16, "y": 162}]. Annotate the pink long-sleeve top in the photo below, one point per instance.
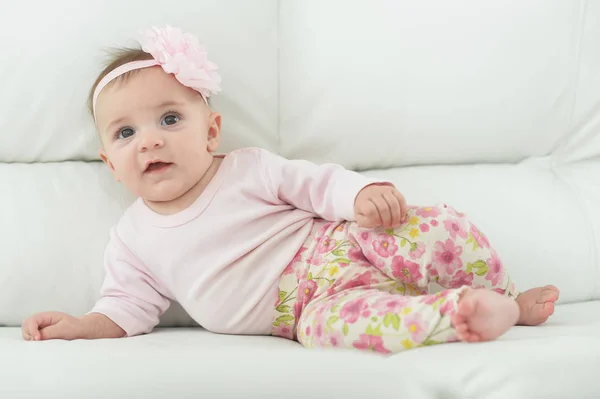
[{"x": 222, "y": 257}]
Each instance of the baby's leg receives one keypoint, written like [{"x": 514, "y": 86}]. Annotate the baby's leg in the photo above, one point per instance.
[
  {"x": 369, "y": 319},
  {"x": 439, "y": 244}
]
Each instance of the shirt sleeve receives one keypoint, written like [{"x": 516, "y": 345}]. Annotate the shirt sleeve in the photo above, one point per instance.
[
  {"x": 327, "y": 190},
  {"x": 130, "y": 297}
]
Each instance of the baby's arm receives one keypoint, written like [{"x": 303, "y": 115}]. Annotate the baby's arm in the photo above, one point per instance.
[
  {"x": 131, "y": 304},
  {"x": 328, "y": 190}
]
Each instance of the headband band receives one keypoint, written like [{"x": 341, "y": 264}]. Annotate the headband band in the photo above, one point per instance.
[{"x": 177, "y": 53}]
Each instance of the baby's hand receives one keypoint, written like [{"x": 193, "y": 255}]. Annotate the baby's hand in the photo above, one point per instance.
[
  {"x": 380, "y": 206},
  {"x": 51, "y": 325}
]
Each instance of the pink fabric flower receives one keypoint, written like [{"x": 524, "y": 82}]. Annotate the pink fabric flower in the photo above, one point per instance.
[
  {"x": 417, "y": 252},
  {"x": 424, "y": 227},
  {"x": 447, "y": 256},
  {"x": 180, "y": 54},
  {"x": 478, "y": 236},
  {"x": 406, "y": 270},
  {"x": 385, "y": 245},
  {"x": 434, "y": 222},
  {"x": 495, "y": 272},
  {"x": 415, "y": 326},
  {"x": 456, "y": 227},
  {"x": 428, "y": 212},
  {"x": 461, "y": 278},
  {"x": 393, "y": 304},
  {"x": 355, "y": 309},
  {"x": 371, "y": 342}
]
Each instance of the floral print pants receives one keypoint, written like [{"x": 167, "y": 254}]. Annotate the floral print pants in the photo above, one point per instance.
[{"x": 373, "y": 289}]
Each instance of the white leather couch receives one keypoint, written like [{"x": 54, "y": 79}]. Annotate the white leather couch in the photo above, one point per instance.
[{"x": 493, "y": 107}]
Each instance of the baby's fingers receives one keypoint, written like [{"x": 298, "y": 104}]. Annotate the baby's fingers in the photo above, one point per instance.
[
  {"x": 403, "y": 205},
  {"x": 30, "y": 330},
  {"x": 395, "y": 209},
  {"x": 32, "y": 326}
]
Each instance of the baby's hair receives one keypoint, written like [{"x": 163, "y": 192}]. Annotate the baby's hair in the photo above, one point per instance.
[{"x": 118, "y": 57}]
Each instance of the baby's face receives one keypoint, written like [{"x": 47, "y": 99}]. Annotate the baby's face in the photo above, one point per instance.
[{"x": 158, "y": 135}]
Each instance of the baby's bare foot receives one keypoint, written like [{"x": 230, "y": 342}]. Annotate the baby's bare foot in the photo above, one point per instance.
[
  {"x": 537, "y": 304},
  {"x": 484, "y": 315}
]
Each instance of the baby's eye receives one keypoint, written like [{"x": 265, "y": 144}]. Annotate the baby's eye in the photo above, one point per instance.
[
  {"x": 126, "y": 133},
  {"x": 170, "y": 119}
]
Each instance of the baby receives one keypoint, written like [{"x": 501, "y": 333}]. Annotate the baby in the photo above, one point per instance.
[{"x": 252, "y": 243}]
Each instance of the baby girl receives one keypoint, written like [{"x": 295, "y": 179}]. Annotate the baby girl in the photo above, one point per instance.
[{"x": 251, "y": 243}]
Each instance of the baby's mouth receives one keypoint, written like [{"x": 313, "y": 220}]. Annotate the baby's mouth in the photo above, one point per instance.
[{"x": 156, "y": 167}]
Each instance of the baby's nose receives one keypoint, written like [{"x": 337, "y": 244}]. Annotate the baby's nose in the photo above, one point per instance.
[{"x": 151, "y": 139}]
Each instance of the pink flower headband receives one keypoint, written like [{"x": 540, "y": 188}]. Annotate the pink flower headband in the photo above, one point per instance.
[{"x": 177, "y": 53}]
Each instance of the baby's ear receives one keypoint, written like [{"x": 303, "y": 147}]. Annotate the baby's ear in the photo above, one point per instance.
[
  {"x": 108, "y": 163},
  {"x": 214, "y": 131}
]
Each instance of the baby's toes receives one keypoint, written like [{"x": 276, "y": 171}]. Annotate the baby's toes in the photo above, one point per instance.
[
  {"x": 473, "y": 337},
  {"x": 460, "y": 326},
  {"x": 547, "y": 309},
  {"x": 549, "y": 294}
]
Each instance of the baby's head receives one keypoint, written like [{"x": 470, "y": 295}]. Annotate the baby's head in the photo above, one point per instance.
[{"x": 152, "y": 114}]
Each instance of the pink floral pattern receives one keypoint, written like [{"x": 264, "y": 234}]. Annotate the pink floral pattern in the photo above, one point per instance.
[
  {"x": 385, "y": 245},
  {"x": 479, "y": 238},
  {"x": 406, "y": 270},
  {"x": 448, "y": 308},
  {"x": 447, "y": 256},
  {"x": 416, "y": 326},
  {"x": 361, "y": 280},
  {"x": 495, "y": 272},
  {"x": 395, "y": 304},
  {"x": 297, "y": 258},
  {"x": 456, "y": 227},
  {"x": 368, "y": 289},
  {"x": 461, "y": 278},
  {"x": 284, "y": 331},
  {"x": 327, "y": 244},
  {"x": 351, "y": 311},
  {"x": 371, "y": 342},
  {"x": 364, "y": 237},
  {"x": 428, "y": 212},
  {"x": 356, "y": 256},
  {"x": 418, "y": 251}
]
